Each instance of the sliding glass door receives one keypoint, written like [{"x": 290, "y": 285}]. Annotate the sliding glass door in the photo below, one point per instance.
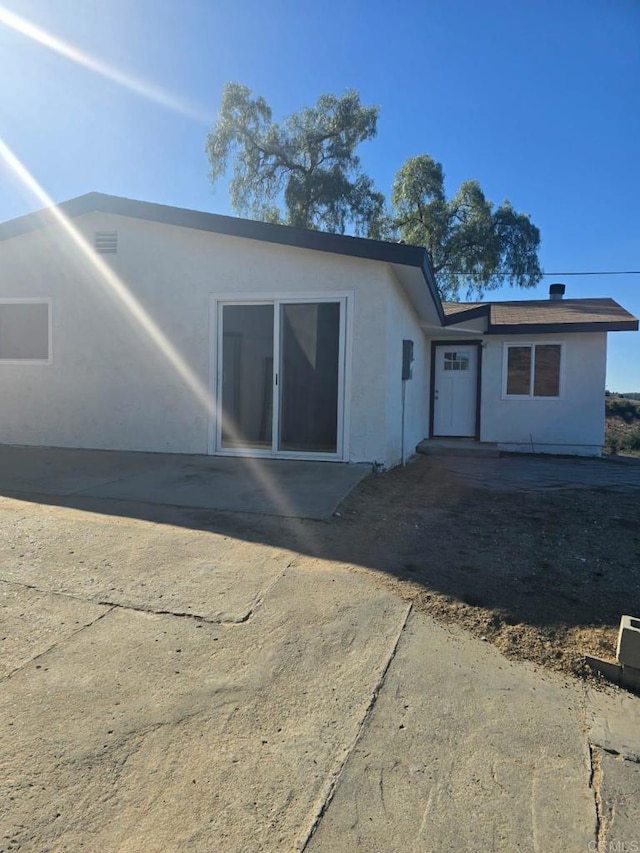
[
  {"x": 247, "y": 376},
  {"x": 309, "y": 371},
  {"x": 280, "y": 377}
]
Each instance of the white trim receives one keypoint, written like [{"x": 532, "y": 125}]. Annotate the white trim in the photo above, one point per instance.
[
  {"x": 345, "y": 355},
  {"x": 282, "y": 296},
  {"x": 532, "y": 344},
  {"x": 38, "y": 300}
]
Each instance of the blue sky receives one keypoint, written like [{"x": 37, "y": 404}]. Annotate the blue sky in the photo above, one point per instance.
[{"x": 537, "y": 100}]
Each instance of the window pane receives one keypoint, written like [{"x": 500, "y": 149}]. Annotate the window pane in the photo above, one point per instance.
[
  {"x": 310, "y": 353},
  {"x": 546, "y": 381},
  {"x": 518, "y": 370},
  {"x": 456, "y": 361},
  {"x": 24, "y": 330},
  {"x": 247, "y": 375}
]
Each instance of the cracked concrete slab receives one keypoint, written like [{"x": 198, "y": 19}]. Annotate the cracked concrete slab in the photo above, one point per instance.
[
  {"x": 620, "y": 803},
  {"x": 32, "y": 622},
  {"x": 302, "y": 709},
  {"x": 154, "y": 733},
  {"x": 135, "y": 563},
  {"x": 613, "y": 721},
  {"x": 464, "y": 751},
  {"x": 613, "y": 718}
]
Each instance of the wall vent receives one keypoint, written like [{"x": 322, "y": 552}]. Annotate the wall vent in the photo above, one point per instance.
[{"x": 106, "y": 242}]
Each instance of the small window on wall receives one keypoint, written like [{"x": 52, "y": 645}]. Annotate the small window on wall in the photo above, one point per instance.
[
  {"x": 532, "y": 370},
  {"x": 456, "y": 361},
  {"x": 25, "y": 330}
]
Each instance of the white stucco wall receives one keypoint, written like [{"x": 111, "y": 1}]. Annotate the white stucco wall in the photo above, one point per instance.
[
  {"x": 402, "y": 324},
  {"x": 110, "y": 387},
  {"x": 572, "y": 423}
]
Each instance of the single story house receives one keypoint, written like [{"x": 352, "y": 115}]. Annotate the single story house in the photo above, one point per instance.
[{"x": 135, "y": 326}]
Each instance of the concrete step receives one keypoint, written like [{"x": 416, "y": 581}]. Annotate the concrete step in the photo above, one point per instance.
[{"x": 457, "y": 447}]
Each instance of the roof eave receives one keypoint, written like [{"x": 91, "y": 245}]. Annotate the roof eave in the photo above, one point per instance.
[
  {"x": 429, "y": 275},
  {"x": 468, "y": 314},
  {"x": 561, "y": 328},
  {"x": 338, "y": 244}
]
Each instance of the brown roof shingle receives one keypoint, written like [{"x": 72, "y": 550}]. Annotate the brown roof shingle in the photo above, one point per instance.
[{"x": 540, "y": 315}]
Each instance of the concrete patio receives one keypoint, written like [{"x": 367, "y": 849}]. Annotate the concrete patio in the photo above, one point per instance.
[
  {"x": 166, "y": 685},
  {"x": 296, "y": 489},
  {"x": 169, "y": 689}
]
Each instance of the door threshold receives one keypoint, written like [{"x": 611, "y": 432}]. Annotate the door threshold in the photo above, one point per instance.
[{"x": 453, "y": 446}]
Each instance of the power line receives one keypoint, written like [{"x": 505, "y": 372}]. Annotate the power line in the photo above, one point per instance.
[
  {"x": 558, "y": 274},
  {"x": 607, "y": 272}
]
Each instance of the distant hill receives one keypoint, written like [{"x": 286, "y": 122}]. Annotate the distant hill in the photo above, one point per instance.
[{"x": 628, "y": 395}]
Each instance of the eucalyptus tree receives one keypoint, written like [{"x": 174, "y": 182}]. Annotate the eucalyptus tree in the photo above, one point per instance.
[
  {"x": 473, "y": 245},
  {"x": 303, "y": 171}
]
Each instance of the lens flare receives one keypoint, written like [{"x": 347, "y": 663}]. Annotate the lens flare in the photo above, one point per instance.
[
  {"x": 139, "y": 87},
  {"x": 117, "y": 288}
]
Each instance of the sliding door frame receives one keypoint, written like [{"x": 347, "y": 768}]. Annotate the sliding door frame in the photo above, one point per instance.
[{"x": 216, "y": 305}]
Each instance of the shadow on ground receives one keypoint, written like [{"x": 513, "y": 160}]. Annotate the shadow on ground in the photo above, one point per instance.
[{"x": 546, "y": 574}]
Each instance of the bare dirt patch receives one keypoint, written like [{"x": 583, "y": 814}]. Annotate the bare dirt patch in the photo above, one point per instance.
[{"x": 545, "y": 576}]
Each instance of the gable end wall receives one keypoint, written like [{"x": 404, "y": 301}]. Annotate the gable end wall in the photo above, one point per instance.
[
  {"x": 573, "y": 423},
  {"x": 110, "y": 387}
]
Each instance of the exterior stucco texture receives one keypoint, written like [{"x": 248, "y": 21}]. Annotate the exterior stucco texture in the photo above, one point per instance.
[
  {"x": 571, "y": 423},
  {"x": 142, "y": 376}
]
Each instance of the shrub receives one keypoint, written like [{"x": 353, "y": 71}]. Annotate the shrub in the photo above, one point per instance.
[
  {"x": 634, "y": 439},
  {"x": 619, "y": 407}
]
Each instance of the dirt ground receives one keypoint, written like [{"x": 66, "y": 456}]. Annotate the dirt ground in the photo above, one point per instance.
[{"x": 545, "y": 576}]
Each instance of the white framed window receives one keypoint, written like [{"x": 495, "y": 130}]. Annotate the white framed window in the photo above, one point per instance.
[
  {"x": 532, "y": 371},
  {"x": 25, "y": 330},
  {"x": 458, "y": 360}
]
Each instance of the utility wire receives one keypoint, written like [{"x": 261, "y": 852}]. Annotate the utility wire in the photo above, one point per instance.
[
  {"x": 607, "y": 272},
  {"x": 554, "y": 274}
]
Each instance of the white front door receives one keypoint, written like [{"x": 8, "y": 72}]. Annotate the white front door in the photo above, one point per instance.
[{"x": 455, "y": 390}]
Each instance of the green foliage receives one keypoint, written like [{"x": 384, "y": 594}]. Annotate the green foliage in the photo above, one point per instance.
[
  {"x": 622, "y": 441},
  {"x": 471, "y": 243},
  {"x": 303, "y": 172},
  {"x": 623, "y": 424},
  {"x": 622, "y": 407}
]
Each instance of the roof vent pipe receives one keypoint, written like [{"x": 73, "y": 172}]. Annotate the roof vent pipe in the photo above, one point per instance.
[{"x": 556, "y": 291}]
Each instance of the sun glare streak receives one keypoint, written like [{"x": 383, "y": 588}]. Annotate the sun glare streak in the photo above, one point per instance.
[
  {"x": 116, "y": 285},
  {"x": 119, "y": 290},
  {"x": 139, "y": 87}
]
